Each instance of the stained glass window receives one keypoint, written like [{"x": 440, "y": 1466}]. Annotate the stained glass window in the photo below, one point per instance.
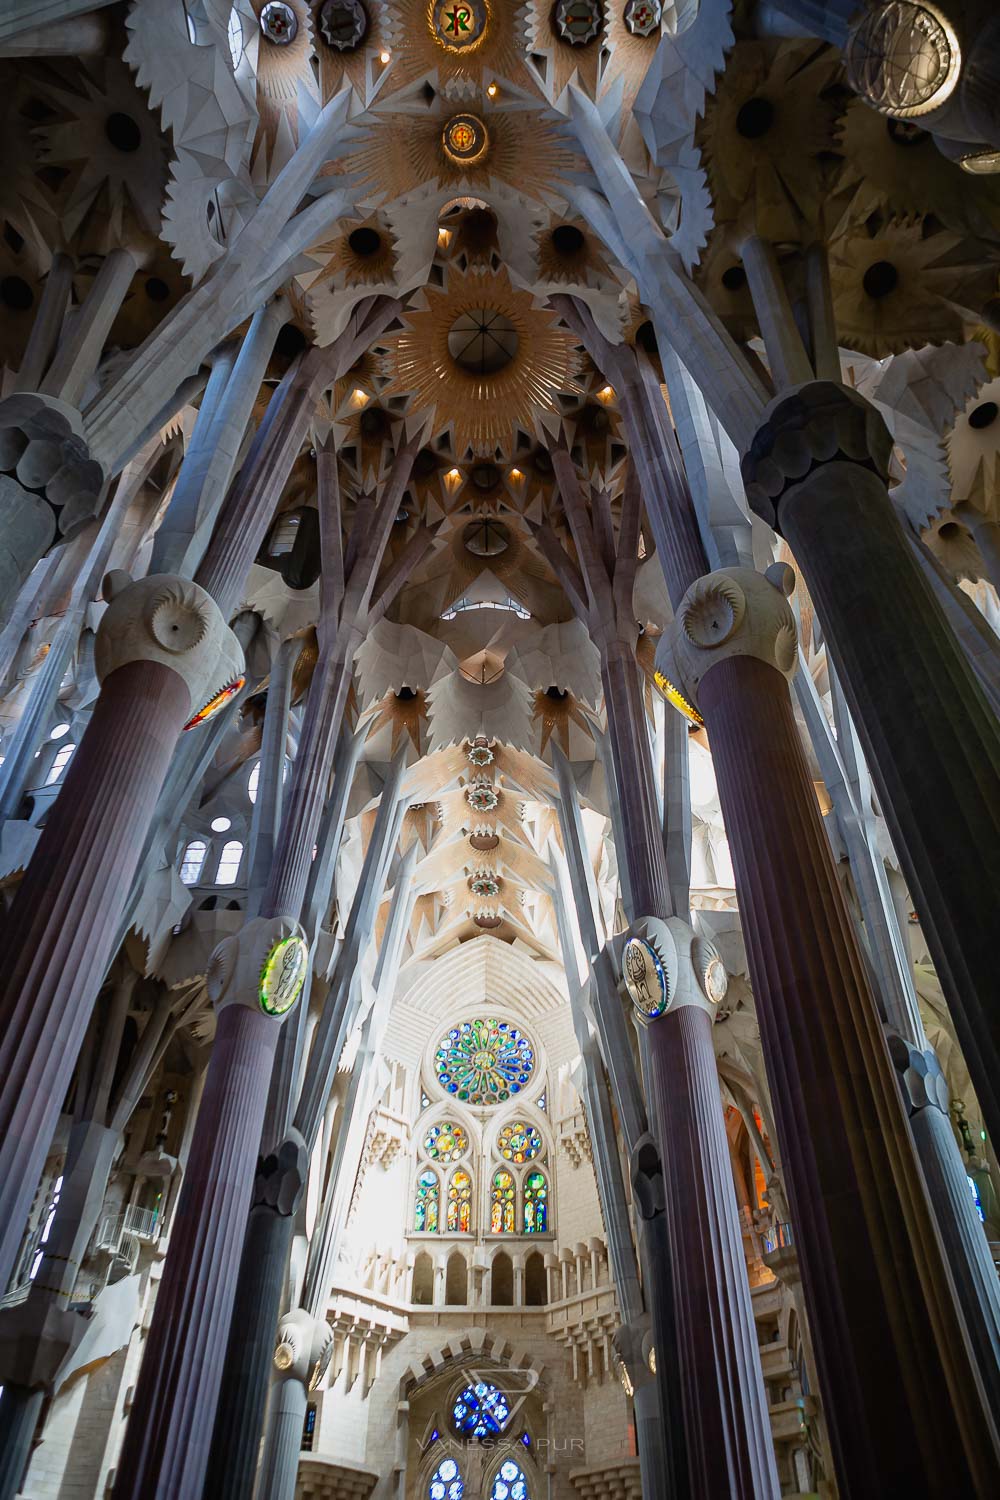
[
  {"x": 459, "y": 1202},
  {"x": 481, "y": 1411},
  {"x": 510, "y": 1483},
  {"x": 484, "y": 1061},
  {"x": 974, "y": 1190},
  {"x": 502, "y": 1211},
  {"x": 536, "y": 1207},
  {"x": 446, "y": 1483},
  {"x": 446, "y": 1141},
  {"x": 426, "y": 1205},
  {"x": 519, "y": 1142}
]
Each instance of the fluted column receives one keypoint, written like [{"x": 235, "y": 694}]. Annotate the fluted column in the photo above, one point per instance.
[
  {"x": 162, "y": 650},
  {"x": 729, "y": 1449},
  {"x": 254, "y": 979},
  {"x": 817, "y": 472},
  {"x": 900, "y": 1393}
]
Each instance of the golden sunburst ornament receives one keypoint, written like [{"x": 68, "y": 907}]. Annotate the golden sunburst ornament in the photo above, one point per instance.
[{"x": 487, "y": 355}]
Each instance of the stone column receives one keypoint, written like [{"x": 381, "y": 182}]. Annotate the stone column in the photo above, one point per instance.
[
  {"x": 302, "y": 1354},
  {"x": 673, "y": 977},
  {"x": 817, "y": 472},
  {"x": 162, "y": 651},
  {"x": 900, "y": 1394},
  {"x": 254, "y": 980}
]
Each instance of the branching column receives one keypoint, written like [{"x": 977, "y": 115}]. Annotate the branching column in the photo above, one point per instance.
[
  {"x": 725, "y": 1411},
  {"x": 163, "y": 650}
]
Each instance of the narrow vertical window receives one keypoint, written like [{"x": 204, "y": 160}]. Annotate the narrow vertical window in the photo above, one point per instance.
[
  {"x": 193, "y": 862},
  {"x": 502, "y": 1210},
  {"x": 460, "y": 1202},
  {"x": 229, "y": 863},
  {"x": 63, "y": 757},
  {"x": 426, "y": 1204},
  {"x": 536, "y": 1193}
]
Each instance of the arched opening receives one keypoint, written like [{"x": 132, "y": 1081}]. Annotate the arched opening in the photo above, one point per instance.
[
  {"x": 502, "y": 1280},
  {"x": 535, "y": 1290},
  {"x": 422, "y": 1294},
  {"x": 456, "y": 1284}
]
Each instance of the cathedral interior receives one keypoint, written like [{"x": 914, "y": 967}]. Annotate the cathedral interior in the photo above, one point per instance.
[{"x": 499, "y": 749}]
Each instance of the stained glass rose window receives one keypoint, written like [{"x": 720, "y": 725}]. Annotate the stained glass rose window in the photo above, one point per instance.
[{"x": 484, "y": 1061}]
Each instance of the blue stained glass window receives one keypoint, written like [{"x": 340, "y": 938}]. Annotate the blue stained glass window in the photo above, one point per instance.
[
  {"x": 510, "y": 1483},
  {"x": 481, "y": 1411},
  {"x": 447, "y": 1482},
  {"x": 974, "y": 1190}
]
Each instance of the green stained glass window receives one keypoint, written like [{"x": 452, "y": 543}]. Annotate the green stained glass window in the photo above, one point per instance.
[{"x": 536, "y": 1205}]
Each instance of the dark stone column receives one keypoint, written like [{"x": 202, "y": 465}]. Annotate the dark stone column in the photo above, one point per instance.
[
  {"x": 61, "y": 927},
  {"x": 162, "y": 647},
  {"x": 170, "y": 1425},
  {"x": 729, "y": 1449},
  {"x": 243, "y": 1395},
  {"x": 899, "y": 1390},
  {"x": 817, "y": 472}
]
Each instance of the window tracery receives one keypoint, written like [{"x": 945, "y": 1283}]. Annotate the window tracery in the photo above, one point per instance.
[
  {"x": 481, "y": 1411},
  {"x": 446, "y": 1482},
  {"x": 460, "y": 1202},
  {"x": 427, "y": 1204},
  {"x": 484, "y": 1061},
  {"x": 510, "y": 1483},
  {"x": 503, "y": 1211}
]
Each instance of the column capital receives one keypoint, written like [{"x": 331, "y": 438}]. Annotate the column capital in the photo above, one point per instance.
[
  {"x": 172, "y": 621},
  {"x": 303, "y": 1347},
  {"x": 921, "y": 1080},
  {"x": 805, "y": 428},
  {"x": 666, "y": 965},
  {"x": 262, "y": 967},
  {"x": 732, "y": 612}
]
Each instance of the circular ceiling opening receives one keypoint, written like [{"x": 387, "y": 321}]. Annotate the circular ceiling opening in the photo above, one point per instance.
[
  {"x": 365, "y": 241},
  {"x": 556, "y": 694},
  {"x": 482, "y": 341},
  {"x": 122, "y": 131},
  {"x": 486, "y": 537},
  {"x": 951, "y": 531},
  {"x": 734, "y": 278},
  {"x": 157, "y": 289},
  {"x": 880, "y": 279},
  {"x": 755, "y": 119},
  {"x": 567, "y": 239},
  {"x": 485, "y": 476},
  {"x": 290, "y": 341},
  {"x": 405, "y": 695},
  {"x": 983, "y": 416}
]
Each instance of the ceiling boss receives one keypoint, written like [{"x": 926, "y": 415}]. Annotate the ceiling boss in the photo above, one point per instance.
[{"x": 459, "y": 25}]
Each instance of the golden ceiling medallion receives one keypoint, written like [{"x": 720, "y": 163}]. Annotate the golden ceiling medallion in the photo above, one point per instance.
[
  {"x": 465, "y": 140},
  {"x": 483, "y": 407},
  {"x": 459, "y": 25}
]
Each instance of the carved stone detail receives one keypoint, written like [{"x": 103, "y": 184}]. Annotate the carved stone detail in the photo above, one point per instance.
[
  {"x": 819, "y": 423},
  {"x": 303, "y": 1347},
  {"x": 281, "y": 1177},
  {"x": 235, "y": 970},
  {"x": 733, "y": 612},
  {"x": 920, "y": 1077},
  {"x": 172, "y": 621}
]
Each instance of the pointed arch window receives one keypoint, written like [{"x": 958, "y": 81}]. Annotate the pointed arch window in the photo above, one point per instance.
[
  {"x": 503, "y": 1212},
  {"x": 510, "y": 1483},
  {"x": 427, "y": 1203},
  {"x": 446, "y": 1482},
  {"x": 460, "y": 1202},
  {"x": 536, "y": 1203},
  {"x": 193, "y": 862}
]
